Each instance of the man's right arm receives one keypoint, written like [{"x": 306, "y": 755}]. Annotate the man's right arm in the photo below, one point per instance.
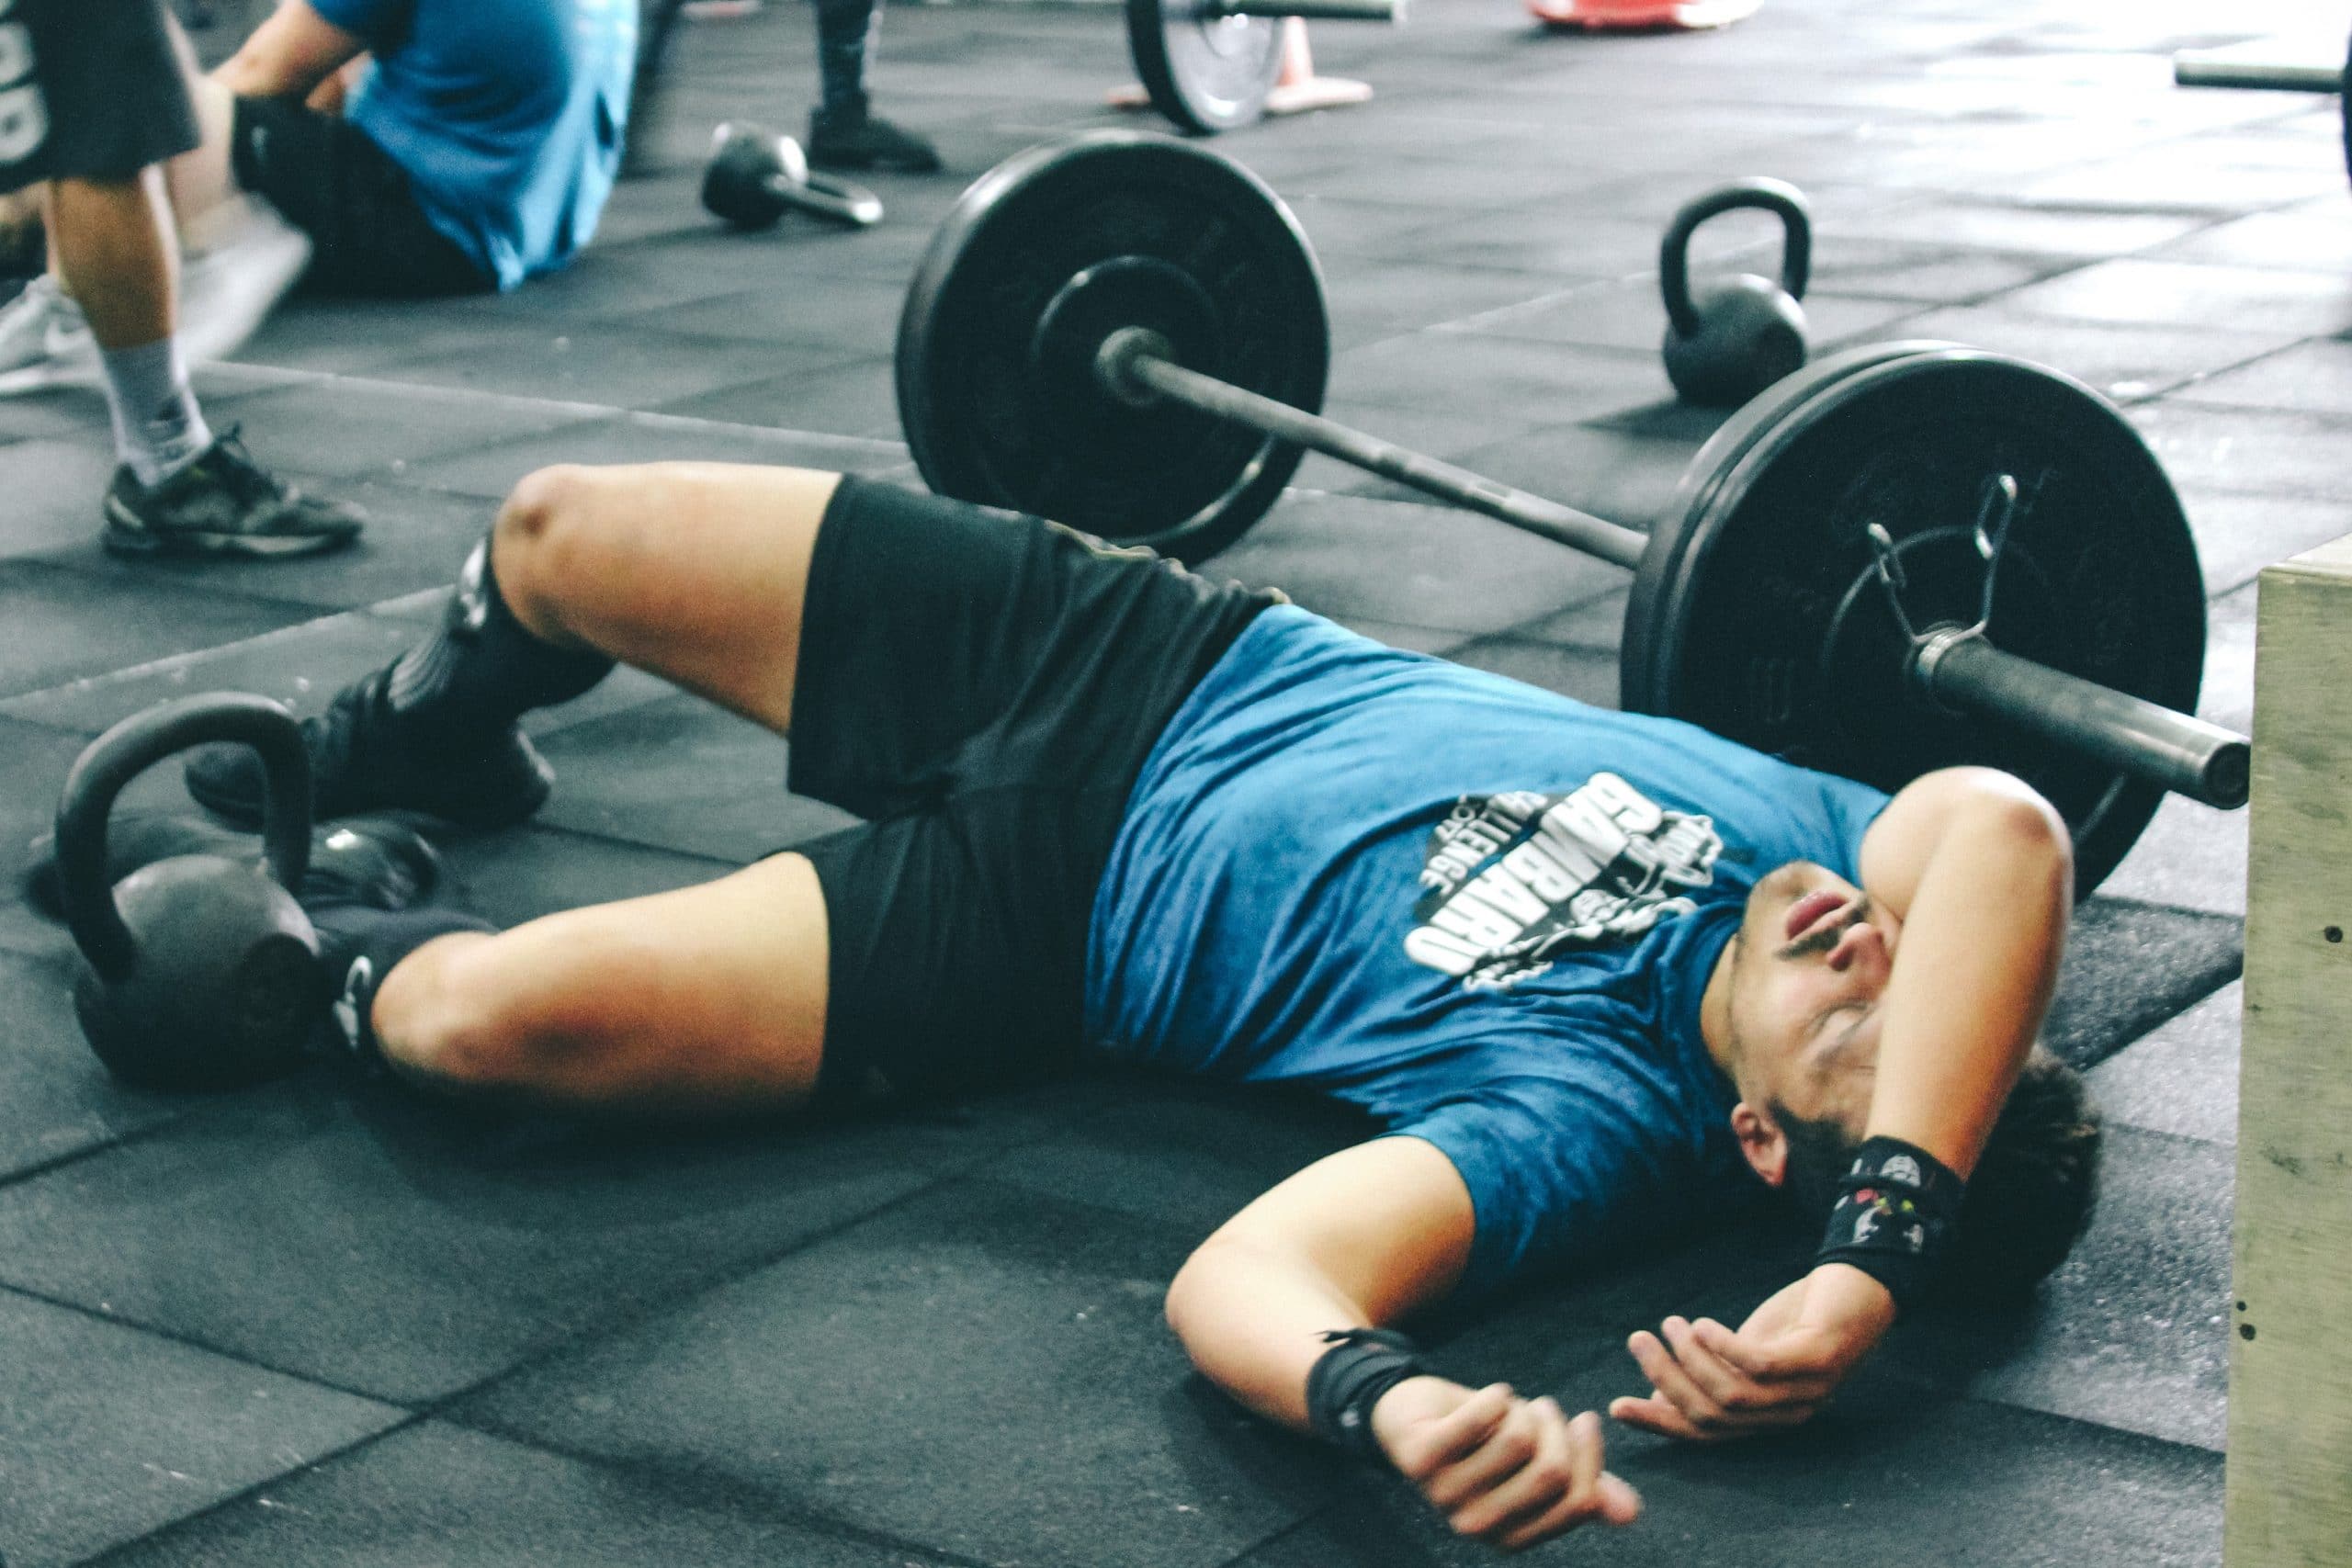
[
  {"x": 1360, "y": 1240},
  {"x": 289, "y": 55}
]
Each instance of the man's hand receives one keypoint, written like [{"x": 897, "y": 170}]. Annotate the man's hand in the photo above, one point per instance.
[
  {"x": 1709, "y": 1384},
  {"x": 1510, "y": 1471}
]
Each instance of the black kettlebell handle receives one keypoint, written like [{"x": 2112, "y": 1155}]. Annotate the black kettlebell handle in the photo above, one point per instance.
[
  {"x": 1771, "y": 195},
  {"x": 130, "y": 749}
]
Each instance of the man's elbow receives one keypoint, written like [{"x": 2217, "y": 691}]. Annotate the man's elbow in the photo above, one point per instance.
[
  {"x": 1194, "y": 1285},
  {"x": 2003, "y": 810}
]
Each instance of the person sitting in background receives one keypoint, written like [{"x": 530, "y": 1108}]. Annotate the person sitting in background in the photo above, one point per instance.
[{"x": 426, "y": 147}]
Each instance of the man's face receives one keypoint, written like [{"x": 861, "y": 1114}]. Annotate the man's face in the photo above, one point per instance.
[{"x": 1809, "y": 973}]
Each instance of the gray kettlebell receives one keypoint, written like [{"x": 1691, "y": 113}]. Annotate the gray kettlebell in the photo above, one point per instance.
[
  {"x": 1729, "y": 343},
  {"x": 199, "y": 972}
]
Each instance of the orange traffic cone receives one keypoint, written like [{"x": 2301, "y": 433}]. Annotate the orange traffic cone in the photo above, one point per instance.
[
  {"x": 1298, "y": 88},
  {"x": 1640, "y": 15}
]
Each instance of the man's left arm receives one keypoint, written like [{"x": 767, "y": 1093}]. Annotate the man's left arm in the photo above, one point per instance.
[
  {"x": 1980, "y": 869},
  {"x": 289, "y": 55}
]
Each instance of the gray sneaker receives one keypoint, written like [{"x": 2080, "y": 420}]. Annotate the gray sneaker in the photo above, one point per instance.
[
  {"x": 45, "y": 341},
  {"x": 223, "y": 504}
]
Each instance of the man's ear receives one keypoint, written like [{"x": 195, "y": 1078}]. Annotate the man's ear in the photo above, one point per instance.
[{"x": 1761, "y": 1140}]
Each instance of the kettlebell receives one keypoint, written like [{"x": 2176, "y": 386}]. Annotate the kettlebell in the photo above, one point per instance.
[
  {"x": 1738, "y": 338},
  {"x": 756, "y": 175},
  {"x": 198, "y": 972}
]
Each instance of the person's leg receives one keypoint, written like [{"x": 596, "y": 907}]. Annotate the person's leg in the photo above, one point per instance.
[
  {"x": 203, "y": 181},
  {"x": 844, "y": 132},
  {"x": 703, "y": 1000},
  {"x": 116, "y": 253},
  {"x": 694, "y": 571}
]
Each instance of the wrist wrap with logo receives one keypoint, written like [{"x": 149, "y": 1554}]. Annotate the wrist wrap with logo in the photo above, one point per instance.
[
  {"x": 1896, "y": 1208},
  {"x": 1349, "y": 1380}
]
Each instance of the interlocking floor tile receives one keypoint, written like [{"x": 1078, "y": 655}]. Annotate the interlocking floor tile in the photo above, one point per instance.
[
  {"x": 496, "y": 1502},
  {"x": 108, "y": 1433},
  {"x": 2181, "y": 1077}
]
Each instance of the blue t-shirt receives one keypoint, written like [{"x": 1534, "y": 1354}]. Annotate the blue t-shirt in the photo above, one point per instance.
[
  {"x": 1480, "y": 912},
  {"x": 507, "y": 114}
]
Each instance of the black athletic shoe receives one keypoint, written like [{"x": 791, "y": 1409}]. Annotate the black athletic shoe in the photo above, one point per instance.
[
  {"x": 358, "y": 764},
  {"x": 223, "y": 504},
  {"x": 867, "y": 141},
  {"x": 368, "y": 860}
]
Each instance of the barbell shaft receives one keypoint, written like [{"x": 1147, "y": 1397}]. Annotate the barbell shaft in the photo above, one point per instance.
[
  {"x": 2150, "y": 742},
  {"x": 1311, "y": 11},
  {"x": 1128, "y": 362},
  {"x": 2146, "y": 741},
  {"x": 2191, "y": 69}
]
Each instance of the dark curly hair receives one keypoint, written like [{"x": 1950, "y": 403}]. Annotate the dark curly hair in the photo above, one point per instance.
[{"x": 2029, "y": 1198}]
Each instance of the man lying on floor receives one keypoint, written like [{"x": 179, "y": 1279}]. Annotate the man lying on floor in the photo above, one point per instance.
[{"x": 1595, "y": 972}]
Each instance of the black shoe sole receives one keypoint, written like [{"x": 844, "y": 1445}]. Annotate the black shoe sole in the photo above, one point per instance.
[
  {"x": 126, "y": 536},
  {"x": 510, "y": 810}
]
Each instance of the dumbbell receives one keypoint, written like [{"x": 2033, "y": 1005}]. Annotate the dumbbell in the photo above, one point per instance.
[{"x": 756, "y": 175}]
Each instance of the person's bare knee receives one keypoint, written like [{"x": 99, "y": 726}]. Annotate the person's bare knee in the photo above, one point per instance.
[
  {"x": 437, "y": 1024},
  {"x": 543, "y": 541}
]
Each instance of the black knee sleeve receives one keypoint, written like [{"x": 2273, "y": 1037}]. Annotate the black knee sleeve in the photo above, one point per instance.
[{"x": 483, "y": 669}]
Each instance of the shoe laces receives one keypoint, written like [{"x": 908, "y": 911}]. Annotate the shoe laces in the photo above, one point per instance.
[{"x": 245, "y": 479}]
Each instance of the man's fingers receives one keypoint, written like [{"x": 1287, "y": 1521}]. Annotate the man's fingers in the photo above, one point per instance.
[
  {"x": 1799, "y": 1357},
  {"x": 1731, "y": 1389},
  {"x": 1548, "y": 1475},
  {"x": 1659, "y": 1416},
  {"x": 1738, "y": 1392},
  {"x": 1614, "y": 1504},
  {"x": 1594, "y": 1494},
  {"x": 1508, "y": 1450},
  {"x": 1444, "y": 1441},
  {"x": 1668, "y": 1378}
]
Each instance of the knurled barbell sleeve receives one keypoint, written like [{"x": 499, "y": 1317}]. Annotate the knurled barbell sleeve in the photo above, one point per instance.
[{"x": 2174, "y": 751}]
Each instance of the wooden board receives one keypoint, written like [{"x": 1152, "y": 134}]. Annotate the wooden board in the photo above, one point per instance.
[{"x": 2290, "y": 1474}]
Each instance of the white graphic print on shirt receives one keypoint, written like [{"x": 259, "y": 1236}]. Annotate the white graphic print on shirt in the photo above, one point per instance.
[{"x": 1512, "y": 880}]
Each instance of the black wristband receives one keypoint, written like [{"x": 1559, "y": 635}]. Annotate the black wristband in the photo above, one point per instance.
[
  {"x": 1349, "y": 1380},
  {"x": 1897, "y": 1206}
]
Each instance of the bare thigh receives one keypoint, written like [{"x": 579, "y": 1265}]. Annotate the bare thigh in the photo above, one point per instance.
[
  {"x": 710, "y": 998},
  {"x": 694, "y": 571}
]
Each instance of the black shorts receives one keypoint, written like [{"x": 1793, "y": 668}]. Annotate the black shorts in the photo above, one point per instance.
[
  {"x": 984, "y": 687},
  {"x": 369, "y": 237},
  {"x": 89, "y": 89}
]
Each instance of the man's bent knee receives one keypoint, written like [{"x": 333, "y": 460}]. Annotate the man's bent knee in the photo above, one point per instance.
[
  {"x": 537, "y": 544},
  {"x": 432, "y": 1026}
]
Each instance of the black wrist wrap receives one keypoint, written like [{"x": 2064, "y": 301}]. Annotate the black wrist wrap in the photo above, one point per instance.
[
  {"x": 1362, "y": 1365},
  {"x": 1896, "y": 1209}
]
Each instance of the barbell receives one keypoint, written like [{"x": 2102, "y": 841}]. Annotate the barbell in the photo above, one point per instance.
[
  {"x": 2234, "y": 67},
  {"x": 1904, "y": 557},
  {"x": 1209, "y": 64}
]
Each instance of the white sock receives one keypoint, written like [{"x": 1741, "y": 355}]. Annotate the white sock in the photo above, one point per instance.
[{"x": 158, "y": 429}]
